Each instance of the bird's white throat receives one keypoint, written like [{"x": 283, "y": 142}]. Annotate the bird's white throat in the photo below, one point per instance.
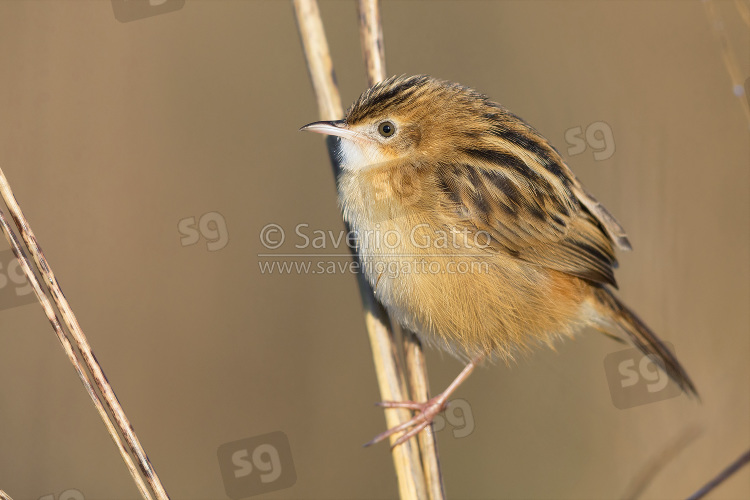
[{"x": 357, "y": 156}]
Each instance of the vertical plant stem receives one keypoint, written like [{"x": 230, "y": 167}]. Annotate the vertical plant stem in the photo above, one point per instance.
[
  {"x": 373, "y": 52},
  {"x": 420, "y": 391},
  {"x": 371, "y": 38},
  {"x": 728, "y": 54},
  {"x": 391, "y": 380}
]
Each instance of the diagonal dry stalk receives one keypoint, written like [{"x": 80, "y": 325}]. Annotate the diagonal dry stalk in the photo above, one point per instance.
[
  {"x": 640, "y": 482},
  {"x": 4, "y": 496},
  {"x": 407, "y": 458},
  {"x": 55, "y": 321},
  {"x": 743, "y": 460},
  {"x": 100, "y": 381},
  {"x": 373, "y": 51}
]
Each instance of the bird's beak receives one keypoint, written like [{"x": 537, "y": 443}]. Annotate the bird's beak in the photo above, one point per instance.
[{"x": 337, "y": 128}]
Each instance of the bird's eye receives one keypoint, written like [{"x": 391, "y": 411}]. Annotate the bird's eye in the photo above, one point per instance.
[{"x": 386, "y": 129}]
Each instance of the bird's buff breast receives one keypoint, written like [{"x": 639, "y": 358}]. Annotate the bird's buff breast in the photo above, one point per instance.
[{"x": 445, "y": 284}]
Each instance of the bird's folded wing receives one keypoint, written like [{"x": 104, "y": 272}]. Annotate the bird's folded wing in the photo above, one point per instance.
[
  {"x": 534, "y": 217},
  {"x": 613, "y": 228}
]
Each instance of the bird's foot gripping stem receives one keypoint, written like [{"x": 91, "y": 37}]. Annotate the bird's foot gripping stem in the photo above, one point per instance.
[{"x": 427, "y": 411}]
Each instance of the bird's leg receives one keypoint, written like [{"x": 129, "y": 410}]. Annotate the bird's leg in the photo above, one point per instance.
[{"x": 427, "y": 410}]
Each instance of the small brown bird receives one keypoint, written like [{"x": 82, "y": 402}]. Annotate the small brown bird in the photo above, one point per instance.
[{"x": 473, "y": 232}]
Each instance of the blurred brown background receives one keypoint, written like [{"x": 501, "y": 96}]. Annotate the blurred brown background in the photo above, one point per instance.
[{"x": 114, "y": 134}]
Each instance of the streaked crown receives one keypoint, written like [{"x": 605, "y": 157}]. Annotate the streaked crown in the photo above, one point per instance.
[{"x": 439, "y": 120}]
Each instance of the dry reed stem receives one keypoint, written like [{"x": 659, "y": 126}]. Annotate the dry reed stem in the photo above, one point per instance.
[
  {"x": 640, "y": 482},
  {"x": 84, "y": 348},
  {"x": 318, "y": 58},
  {"x": 371, "y": 38},
  {"x": 727, "y": 52},
  {"x": 4, "y": 496},
  {"x": 390, "y": 376},
  {"x": 373, "y": 53},
  {"x": 55, "y": 321},
  {"x": 743, "y": 460},
  {"x": 419, "y": 387},
  {"x": 743, "y": 10}
]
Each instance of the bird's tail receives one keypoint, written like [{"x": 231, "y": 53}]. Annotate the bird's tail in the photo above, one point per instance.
[{"x": 613, "y": 311}]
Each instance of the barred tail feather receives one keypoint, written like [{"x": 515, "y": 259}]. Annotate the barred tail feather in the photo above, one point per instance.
[{"x": 614, "y": 311}]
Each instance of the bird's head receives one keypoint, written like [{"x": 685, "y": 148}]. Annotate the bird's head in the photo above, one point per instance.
[{"x": 418, "y": 118}]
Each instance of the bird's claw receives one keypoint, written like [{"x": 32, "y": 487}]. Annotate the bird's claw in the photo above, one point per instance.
[{"x": 427, "y": 412}]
